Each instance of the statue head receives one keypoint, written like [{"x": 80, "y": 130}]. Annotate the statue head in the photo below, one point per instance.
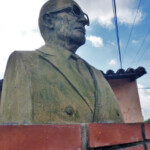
[{"x": 62, "y": 22}]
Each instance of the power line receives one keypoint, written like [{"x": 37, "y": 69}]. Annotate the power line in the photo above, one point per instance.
[
  {"x": 117, "y": 31},
  {"x": 143, "y": 53},
  {"x": 131, "y": 29},
  {"x": 140, "y": 47}
]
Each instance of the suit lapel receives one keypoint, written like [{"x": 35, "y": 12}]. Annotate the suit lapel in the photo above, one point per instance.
[
  {"x": 98, "y": 96},
  {"x": 61, "y": 65}
]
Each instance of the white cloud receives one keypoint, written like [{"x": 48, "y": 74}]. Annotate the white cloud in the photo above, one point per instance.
[
  {"x": 101, "y": 11},
  {"x": 113, "y": 62},
  {"x": 18, "y": 28},
  {"x": 145, "y": 101},
  {"x": 96, "y": 41},
  {"x": 113, "y": 43},
  {"x": 134, "y": 41},
  {"x": 19, "y": 22}
]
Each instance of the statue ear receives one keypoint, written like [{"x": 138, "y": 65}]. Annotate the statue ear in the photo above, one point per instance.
[{"x": 47, "y": 21}]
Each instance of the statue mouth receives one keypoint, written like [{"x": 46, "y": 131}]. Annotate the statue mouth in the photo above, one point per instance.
[{"x": 81, "y": 29}]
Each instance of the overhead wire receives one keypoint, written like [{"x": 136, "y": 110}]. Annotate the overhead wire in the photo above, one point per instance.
[
  {"x": 131, "y": 30},
  {"x": 144, "y": 39},
  {"x": 148, "y": 45},
  {"x": 117, "y": 31}
]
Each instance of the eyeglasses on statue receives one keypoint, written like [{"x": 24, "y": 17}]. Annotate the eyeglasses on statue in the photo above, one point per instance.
[{"x": 75, "y": 10}]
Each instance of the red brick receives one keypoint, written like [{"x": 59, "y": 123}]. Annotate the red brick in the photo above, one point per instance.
[
  {"x": 113, "y": 134},
  {"x": 42, "y": 137},
  {"x": 134, "y": 148},
  {"x": 147, "y": 130},
  {"x": 148, "y": 146}
]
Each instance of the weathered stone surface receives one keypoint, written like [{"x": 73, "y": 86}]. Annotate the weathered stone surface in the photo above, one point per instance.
[{"x": 52, "y": 84}]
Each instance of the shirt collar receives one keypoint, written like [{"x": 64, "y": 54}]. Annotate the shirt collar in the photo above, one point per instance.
[{"x": 55, "y": 50}]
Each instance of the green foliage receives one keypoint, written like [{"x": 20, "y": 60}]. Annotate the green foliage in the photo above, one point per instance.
[{"x": 147, "y": 121}]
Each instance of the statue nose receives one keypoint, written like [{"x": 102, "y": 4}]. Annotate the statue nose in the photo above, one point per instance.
[{"x": 84, "y": 20}]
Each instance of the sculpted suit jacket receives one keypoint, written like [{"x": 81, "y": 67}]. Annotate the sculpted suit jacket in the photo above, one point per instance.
[{"x": 52, "y": 85}]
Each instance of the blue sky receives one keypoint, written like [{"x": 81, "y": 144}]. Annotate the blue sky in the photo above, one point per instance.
[
  {"x": 105, "y": 56},
  {"x": 19, "y": 31}
]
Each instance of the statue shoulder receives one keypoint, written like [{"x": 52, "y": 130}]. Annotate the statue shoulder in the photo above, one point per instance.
[
  {"x": 21, "y": 55},
  {"x": 19, "y": 60}
]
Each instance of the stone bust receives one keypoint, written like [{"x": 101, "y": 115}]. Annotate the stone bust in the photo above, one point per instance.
[{"x": 52, "y": 84}]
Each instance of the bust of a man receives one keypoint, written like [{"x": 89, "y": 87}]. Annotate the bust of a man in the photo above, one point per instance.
[{"x": 52, "y": 84}]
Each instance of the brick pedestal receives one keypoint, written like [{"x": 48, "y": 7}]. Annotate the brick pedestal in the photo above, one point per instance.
[{"x": 76, "y": 137}]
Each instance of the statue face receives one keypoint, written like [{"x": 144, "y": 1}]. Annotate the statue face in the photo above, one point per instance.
[{"x": 69, "y": 23}]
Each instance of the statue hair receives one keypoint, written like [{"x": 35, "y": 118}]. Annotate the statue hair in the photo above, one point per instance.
[{"x": 48, "y": 6}]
